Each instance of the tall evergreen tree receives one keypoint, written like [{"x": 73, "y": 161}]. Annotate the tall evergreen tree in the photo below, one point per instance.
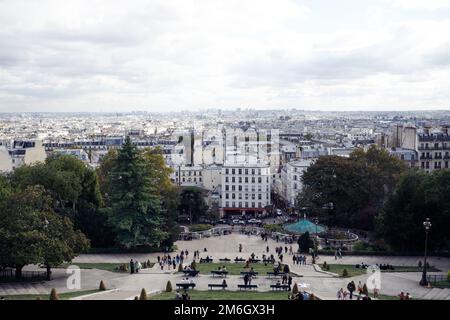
[{"x": 135, "y": 206}]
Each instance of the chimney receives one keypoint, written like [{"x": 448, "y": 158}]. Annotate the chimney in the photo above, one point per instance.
[
  {"x": 444, "y": 129},
  {"x": 426, "y": 130}
]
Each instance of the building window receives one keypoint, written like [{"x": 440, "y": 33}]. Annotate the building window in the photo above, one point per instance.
[{"x": 226, "y": 171}]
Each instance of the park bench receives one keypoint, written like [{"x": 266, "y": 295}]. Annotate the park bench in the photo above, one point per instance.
[
  {"x": 191, "y": 273},
  {"x": 268, "y": 261},
  {"x": 284, "y": 287},
  {"x": 254, "y": 260},
  {"x": 217, "y": 285},
  {"x": 206, "y": 260},
  {"x": 186, "y": 286},
  {"x": 248, "y": 286},
  {"x": 239, "y": 260},
  {"x": 251, "y": 273},
  {"x": 219, "y": 273},
  {"x": 225, "y": 260}
]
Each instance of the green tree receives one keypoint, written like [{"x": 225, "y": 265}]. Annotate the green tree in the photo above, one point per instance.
[
  {"x": 417, "y": 197},
  {"x": 135, "y": 208},
  {"x": 32, "y": 233},
  {"x": 168, "y": 193},
  {"x": 76, "y": 191},
  {"x": 350, "y": 192},
  {"x": 192, "y": 204},
  {"x": 305, "y": 242}
]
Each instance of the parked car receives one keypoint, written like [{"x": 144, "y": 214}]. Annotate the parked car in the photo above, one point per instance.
[
  {"x": 279, "y": 212},
  {"x": 254, "y": 221}
]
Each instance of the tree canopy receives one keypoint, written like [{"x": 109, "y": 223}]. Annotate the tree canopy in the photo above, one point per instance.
[
  {"x": 350, "y": 192},
  {"x": 418, "y": 196},
  {"x": 136, "y": 214},
  {"x": 32, "y": 233}
]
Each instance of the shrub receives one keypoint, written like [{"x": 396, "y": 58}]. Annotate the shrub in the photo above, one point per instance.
[
  {"x": 169, "y": 286},
  {"x": 149, "y": 264},
  {"x": 295, "y": 289},
  {"x": 136, "y": 298},
  {"x": 345, "y": 273},
  {"x": 53, "y": 295},
  {"x": 123, "y": 267},
  {"x": 143, "y": 295},
  {"x": 359, "y": 246},
  {"x": 102, "y": 286},
  {"x": 180, "y": 268},
  {"x": 144, "y": 265}
]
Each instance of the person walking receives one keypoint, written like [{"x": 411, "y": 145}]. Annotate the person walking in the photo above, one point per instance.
[
  {"x": 131, "y": 266},
  {"x": 351, "y": 287}
]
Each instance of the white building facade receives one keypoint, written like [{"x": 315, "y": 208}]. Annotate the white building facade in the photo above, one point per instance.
[{"x": 245, "y": 189}]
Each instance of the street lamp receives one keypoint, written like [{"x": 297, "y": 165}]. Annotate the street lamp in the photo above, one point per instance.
[
  {"x": 316, "y": 222},
  {"x": 427, "y": 226}
]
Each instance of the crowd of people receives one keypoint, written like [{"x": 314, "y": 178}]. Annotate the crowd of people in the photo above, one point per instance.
[{"x": 299, "y": 259}]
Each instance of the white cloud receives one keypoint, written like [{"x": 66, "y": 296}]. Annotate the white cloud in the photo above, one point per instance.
[{"x": 175, "y": 54}]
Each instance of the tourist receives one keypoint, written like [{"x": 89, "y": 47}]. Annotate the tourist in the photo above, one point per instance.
[
  {"x": 246, "y": 279},
  {"x": 224, "y": 283},
  {"x": 185, "y": 296},
  {"x": 402, "y": 296},
  {"x": 340, "y": 294},
  {"x": 174, "y": 264},
  {"x": 360, "y": 287},
  {"x": 224, "y": 269},
  {"x": 240, "y": 247},
  {"x": 131, "y": 266},
  {"x": 375, "y": 292},
  {"x": 267, "y": 249},
  {"x": 284, "y": 279},
  {"x": 178, "y": 295},
  {"x": 408, "y": 296},
  {"x": 137, "y": 266},
  {"x": 351, "y": 287},
  {"x": 305, "y": 295}
]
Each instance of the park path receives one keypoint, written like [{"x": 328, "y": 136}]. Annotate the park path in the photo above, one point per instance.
[{"x": 154, "y": 279}]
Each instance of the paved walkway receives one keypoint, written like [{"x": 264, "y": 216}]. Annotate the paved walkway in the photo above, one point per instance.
[{"x": 153, "y": 280}]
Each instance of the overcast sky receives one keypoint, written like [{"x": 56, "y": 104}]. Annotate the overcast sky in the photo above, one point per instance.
[{"x": 157, "y": 55}]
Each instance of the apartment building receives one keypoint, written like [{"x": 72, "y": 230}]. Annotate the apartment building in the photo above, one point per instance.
[
  {"x": 291, "y": 179},
  {"x": 245, "y": 188},
  {"x": 434, "y": 149},
  {"x": 15, "y": 153}
]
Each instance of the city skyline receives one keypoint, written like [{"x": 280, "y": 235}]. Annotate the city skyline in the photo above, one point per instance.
[{"x": 170, "y": 56}]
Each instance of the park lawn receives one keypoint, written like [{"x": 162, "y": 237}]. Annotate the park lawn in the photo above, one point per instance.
[
  {"x": 234, "y": 269},
  {"x": 112, "y": 267},
  {"x": 62, "y": 296},
  {"x": 226, "y": 295},
  {"x": 339, "y": 268},
  {"x": 353, "y": 271}
]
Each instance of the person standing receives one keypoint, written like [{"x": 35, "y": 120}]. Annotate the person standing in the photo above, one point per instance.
[
  {"x": 131, "y": 266},
  {"x": 351, "y": 287}
]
